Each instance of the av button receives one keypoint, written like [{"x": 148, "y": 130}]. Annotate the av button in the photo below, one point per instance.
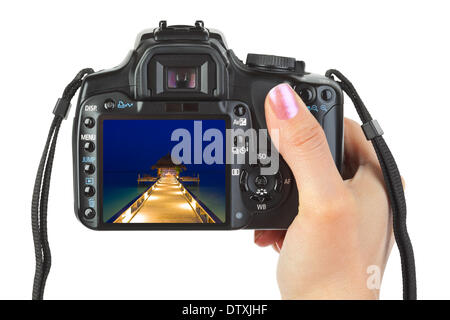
[
  {"x": 89, "y": 146},
  {"x": 239, "y": 110},
  {"x": 89, "y": 213},
  {"x": 89, "y": 191},
  {"x": 109, "y": 105}
]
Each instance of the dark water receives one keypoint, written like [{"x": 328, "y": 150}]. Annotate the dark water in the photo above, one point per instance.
[{"x": 119, "y": 188}]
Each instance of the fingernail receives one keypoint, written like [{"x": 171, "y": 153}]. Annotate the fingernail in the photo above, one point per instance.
[
  {"x": 277, "y": 245},
  {"x": 258, "y": 234},
  {"x": 283, "y": 101}
]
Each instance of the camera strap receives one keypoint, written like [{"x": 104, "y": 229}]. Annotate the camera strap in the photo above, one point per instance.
[
  {"x": 371, "y": 129},
  {"x": 42, "y": 186},
  {"x": 393, "y": 182}
]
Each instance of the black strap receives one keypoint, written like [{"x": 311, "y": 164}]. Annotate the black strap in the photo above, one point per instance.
[
  {"x": 42, "y": 186},
  {"x": 393, "y": 183}
]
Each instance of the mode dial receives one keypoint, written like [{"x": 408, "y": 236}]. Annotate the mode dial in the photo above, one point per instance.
[{"x": 270, "y": 62}]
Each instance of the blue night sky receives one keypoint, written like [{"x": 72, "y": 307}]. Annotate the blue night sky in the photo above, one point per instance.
[{"x": 136, "y": 145}]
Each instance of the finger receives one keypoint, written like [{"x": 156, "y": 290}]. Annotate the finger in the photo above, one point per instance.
[
  {"x": 278, "y": 245},
  {"x": 302, "y": 143},
  {"x": 359, "y": 153},
  {"x": 361, "y": 163},
  {"x": 264, "y": 238},
  {"x": 357, "y": 150},
  {"x": 357, "y": 147}
]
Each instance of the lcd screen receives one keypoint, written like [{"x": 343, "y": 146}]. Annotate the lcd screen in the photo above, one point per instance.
[{"x": 164, "y": 171}]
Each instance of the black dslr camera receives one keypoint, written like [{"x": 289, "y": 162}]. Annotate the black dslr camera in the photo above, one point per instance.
[
  {"x": 172, "y": 138},
  {"x": 175, "y": 138}
]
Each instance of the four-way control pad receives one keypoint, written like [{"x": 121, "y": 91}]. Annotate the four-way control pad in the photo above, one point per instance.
[{"x": 262, "y": 193}]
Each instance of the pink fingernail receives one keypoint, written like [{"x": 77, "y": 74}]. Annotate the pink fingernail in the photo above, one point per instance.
[
  {"x": 258, "y": 234},
  {"x": 283, "y": 101}
]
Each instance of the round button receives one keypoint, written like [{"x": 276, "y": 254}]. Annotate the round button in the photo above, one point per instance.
[
  {"x": 89, "y": 122},
  {"x": 89, "y": 146},
  {"x": 89, "y": 191},
  {"x": 307, "y": 94},
  {"x": 239, "y": 141},
  {"x": 89, "y": 168},
  {"x": 109, "y": 104},
  {"x": 260, "y": 181},
  {"x": 89, "y": 213},
  {"x": 326, "y": 95},
  {"x": 239, "y": 110},
  {"x": 239, "y": 215}
]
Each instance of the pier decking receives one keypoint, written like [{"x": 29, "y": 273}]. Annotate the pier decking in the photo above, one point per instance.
[
  {"x": 167, "y": 201},
  {"x": 166, "y": 204}
]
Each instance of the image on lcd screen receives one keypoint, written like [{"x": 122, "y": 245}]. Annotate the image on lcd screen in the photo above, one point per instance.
[{"x": 164, "y": 171}]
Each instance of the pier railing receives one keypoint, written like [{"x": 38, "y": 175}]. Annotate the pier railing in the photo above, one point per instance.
[
  {"x": 190, "y": 179},
  {"x": 147, "y": 178},
  {"x": 199, "y": 208},
  {"x": 129, "y": 211}
]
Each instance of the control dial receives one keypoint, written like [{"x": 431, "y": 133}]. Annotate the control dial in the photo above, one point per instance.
[{"x": 270, "y": 62}]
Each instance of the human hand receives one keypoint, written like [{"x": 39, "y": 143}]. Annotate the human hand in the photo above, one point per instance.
[{"x": 344, "y": 225}]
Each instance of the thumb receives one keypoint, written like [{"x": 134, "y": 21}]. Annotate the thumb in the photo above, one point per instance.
[{"x": 303, "y": 144}]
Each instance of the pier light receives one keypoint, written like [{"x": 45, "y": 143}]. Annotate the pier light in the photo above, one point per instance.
[
  {"x": 185, "y": 206},
  {"x": 127, "y": 216}
]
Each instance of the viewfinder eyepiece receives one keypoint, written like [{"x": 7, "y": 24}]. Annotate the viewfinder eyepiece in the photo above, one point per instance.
[{"x": 181, "y": 78}]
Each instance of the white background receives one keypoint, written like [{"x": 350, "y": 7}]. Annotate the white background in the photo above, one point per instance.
[{"x": 397, "y": 54}]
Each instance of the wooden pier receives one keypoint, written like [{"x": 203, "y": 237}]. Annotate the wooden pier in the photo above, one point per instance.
[{"x": 167, "y": 201}]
